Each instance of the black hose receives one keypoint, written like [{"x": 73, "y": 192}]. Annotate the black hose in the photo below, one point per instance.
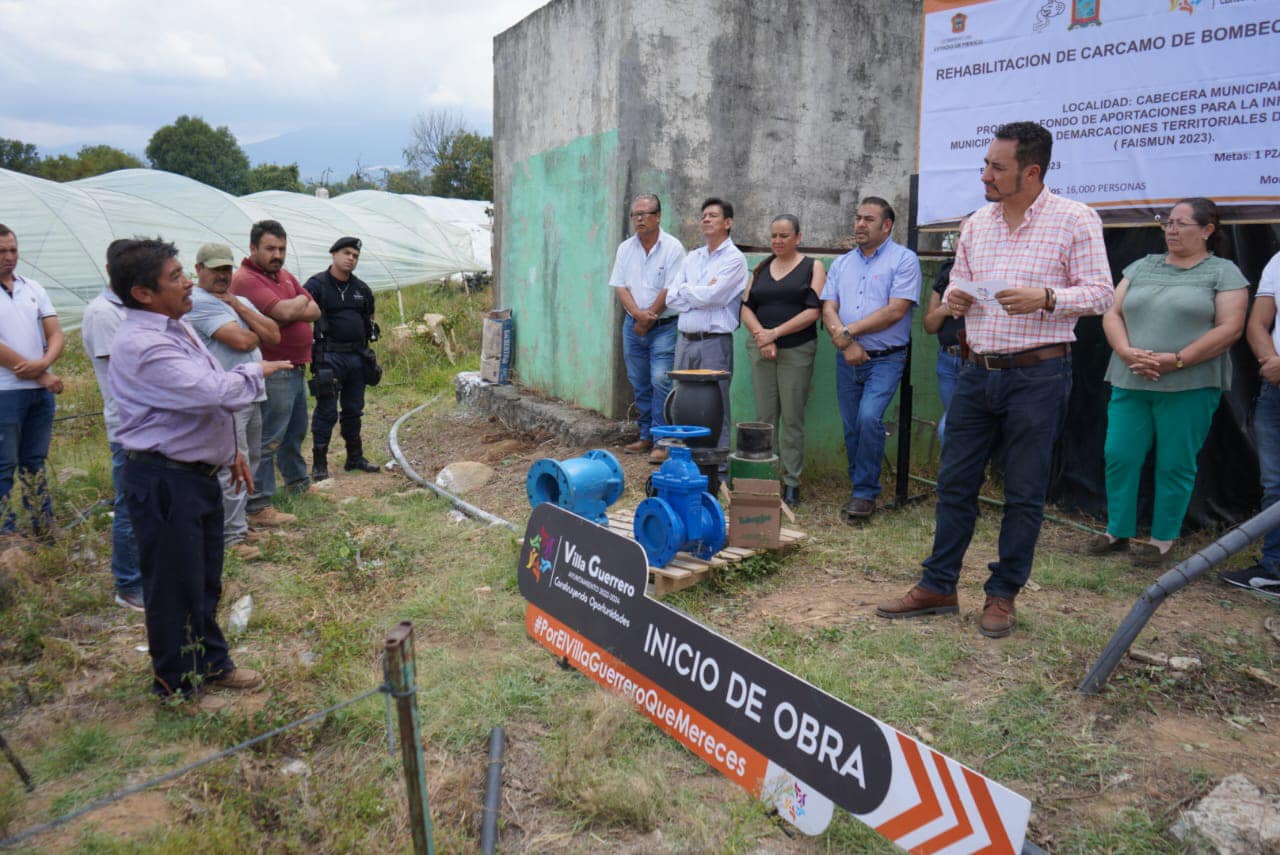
[
  {"x": 393, "y": 440},
  {"x": 492, "y": 792},
  {"x": 1186, "y": 572}
]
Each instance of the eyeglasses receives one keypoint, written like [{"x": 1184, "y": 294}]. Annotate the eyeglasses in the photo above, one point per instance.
[
  {"x": 640, "y": 215},
  {"x": 1178, "y": 224}
]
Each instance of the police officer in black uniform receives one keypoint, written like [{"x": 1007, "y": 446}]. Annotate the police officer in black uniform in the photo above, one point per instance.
[{"x": 342, "y": 362}]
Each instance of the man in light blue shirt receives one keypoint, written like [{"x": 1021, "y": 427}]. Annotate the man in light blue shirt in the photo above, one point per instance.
[
  {"x": 232, "y": 329},
  {"x": 708, "y": 295},
  {"x": 866, "y": 308},
  {"x": 98, "y": 327},
  {"x": 646, "y": 265}
]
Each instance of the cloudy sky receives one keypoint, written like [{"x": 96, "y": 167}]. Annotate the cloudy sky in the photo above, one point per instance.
[{"x": 113, "y": 71}]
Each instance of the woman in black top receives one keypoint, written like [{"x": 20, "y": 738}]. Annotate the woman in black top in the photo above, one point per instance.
[
  {"x": 938, "y": 320},
  {"x": 780, "y": 309}
]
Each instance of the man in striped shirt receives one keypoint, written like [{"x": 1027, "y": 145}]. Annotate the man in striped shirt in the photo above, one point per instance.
[{"x": 1027, "y": 266}]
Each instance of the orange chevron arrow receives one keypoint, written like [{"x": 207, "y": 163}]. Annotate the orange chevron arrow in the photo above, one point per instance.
[
  {"x": 929, "y": 808},
  {"x": 963, "y": 828},
  {"x": 1000, "y": 844}
]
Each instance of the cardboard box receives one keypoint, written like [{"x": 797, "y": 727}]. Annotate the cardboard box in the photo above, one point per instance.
[
  {"x": 755, "y": 513},
  {"x": 495, "y": 346}
]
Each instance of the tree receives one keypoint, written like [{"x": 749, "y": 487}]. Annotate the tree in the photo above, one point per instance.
[
  {"x": 90, "y": 160},
  {"x": 408, "y": 181},
  {"x": 192, "y": 148},
  {"x": 431, "y": 132},
  {"x": 464, "y": 169},
  {"x": 273, "y": 176},
  {"x": 19, "y": 156}
]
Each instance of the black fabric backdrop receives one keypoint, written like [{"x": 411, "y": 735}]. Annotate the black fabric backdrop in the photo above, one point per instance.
[{"x": 1227, "y": 488}]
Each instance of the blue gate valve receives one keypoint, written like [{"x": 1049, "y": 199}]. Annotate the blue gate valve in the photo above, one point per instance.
[
  {"x": 682, "y": 516},
  {"x": 585, "y": 485}
]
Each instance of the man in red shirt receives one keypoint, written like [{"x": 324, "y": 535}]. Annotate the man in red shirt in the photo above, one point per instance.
[{"x": 275, "y": 292}]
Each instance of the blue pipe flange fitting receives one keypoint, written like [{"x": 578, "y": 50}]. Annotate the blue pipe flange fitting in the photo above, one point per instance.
[
  {"x": 585, "y": 485},
  {"x": 682, "y": 516}
]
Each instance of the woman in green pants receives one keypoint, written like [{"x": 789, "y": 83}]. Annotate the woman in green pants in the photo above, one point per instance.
[
  {"x": 780, "y": 309},
  {"x": 1175, "y": 316}
]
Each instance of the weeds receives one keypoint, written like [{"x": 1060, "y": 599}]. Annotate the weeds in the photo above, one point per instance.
[{"x": 585, "y": 772}]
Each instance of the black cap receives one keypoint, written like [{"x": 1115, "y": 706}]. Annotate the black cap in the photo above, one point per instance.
[{"x": 344, "y": 242}]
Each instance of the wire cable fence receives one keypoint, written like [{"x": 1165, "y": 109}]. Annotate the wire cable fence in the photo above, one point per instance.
[{"x": 399, "y": 683}]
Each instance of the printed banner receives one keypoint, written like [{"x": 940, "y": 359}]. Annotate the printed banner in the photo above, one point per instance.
[
  {"x": 1149, "y": 101},
  {"x": 797, "y": 748}
]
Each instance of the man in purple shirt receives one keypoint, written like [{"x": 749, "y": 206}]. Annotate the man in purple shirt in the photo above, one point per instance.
[{"x": 175, "y": 405}]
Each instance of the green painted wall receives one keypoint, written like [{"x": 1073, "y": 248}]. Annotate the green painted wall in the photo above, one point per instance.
[
  {"x": 562, "y": 226},
  {"x": 564, "y": 222},
  {"x": 824, "y": 434}
]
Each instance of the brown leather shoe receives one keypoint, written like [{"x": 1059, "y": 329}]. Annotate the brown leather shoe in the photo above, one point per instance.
[
  {"x": 269, "y": 517},
  {"x": 1146, "y": 555},
  {"x": 856, "y": 510},
  {"x": 919, "y": 602},
  {"x": 1103, "y": 545},
  {"x": 659, "y": 455},
  {"x": 998, "y": 617},
  {"x": 640, "y": 446},
  {"x": 241, "y": 680}
]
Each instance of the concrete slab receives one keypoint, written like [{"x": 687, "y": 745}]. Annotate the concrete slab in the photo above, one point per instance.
[{"x": 522, "y": 410}]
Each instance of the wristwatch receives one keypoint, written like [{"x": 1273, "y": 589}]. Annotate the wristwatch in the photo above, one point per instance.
[{"x": 1177, "y": 360}]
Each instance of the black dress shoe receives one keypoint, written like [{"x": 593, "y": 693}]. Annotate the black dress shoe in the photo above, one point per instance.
[{"x": 791, "y": 495}]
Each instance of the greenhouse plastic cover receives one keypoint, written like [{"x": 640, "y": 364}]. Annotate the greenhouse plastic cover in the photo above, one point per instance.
[{"x": 63, "y": 229}]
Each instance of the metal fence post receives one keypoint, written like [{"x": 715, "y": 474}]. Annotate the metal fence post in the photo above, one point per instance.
[{"x": 401, "y": 673}]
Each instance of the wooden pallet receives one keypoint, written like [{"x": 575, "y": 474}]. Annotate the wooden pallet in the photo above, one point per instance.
[{"x": 686, "y": 570}]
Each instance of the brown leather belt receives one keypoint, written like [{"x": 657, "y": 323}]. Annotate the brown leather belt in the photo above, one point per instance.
[{"x": 1022, "y": 359}]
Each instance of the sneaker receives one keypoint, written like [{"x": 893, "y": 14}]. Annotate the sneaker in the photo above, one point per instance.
[
  {"x": 131, "y": 600},
  {"x": 269, "y": 517},
  {"x": 1257, "y": 578},
  {"x": 245, "y": 552},
  {"x": 240, "y": 680},
  {"x": 917, "y": 603},
  {"x": 252, "y": 536}
]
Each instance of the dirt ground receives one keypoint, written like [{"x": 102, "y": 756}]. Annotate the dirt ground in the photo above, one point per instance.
[{"x": 1221, "y": 723}]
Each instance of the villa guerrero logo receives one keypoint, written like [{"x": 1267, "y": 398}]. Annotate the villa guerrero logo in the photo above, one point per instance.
[
  {"x": 958, "y": 21},
  {"x": 542, "y": 552}
]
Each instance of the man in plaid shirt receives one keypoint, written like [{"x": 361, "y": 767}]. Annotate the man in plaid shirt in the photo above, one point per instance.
[{"x": 1026, "y": 267}]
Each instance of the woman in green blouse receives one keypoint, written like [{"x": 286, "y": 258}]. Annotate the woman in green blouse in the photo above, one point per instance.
[{"x": 1175, "y": 316}]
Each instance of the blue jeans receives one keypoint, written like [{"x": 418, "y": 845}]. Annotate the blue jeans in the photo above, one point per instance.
[
  {"x": 1266, "y": 434},
  {"x": 124, "y": 546},
  {"x": 863, "y": 393},
  {"x": 648, "y": 359},
  {"x": 948, "y": 369},
  {"x": 26, "y": 425},
  {"x": 1025, "y": 407},
  {"x": 284, "y": 426}
]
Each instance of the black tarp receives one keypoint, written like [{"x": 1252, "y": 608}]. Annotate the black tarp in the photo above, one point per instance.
[{"x": 1227, "y": 488}]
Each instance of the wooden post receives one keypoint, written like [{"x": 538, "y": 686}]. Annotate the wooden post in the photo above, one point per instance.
[{"x": 401, "y": 674}]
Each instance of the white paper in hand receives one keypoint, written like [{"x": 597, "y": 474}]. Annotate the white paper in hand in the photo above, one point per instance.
[{"x": 983, "y": 292}]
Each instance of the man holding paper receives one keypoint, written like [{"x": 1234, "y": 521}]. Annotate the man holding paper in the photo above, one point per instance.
[{"x": 1040, "y": 262}]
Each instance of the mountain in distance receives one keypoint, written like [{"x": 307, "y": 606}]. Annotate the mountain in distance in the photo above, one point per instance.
[{"x": 374, "y": 145}]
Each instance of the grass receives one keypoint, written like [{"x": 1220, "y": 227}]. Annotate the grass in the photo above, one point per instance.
[{"x": 585, "y": 773}]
